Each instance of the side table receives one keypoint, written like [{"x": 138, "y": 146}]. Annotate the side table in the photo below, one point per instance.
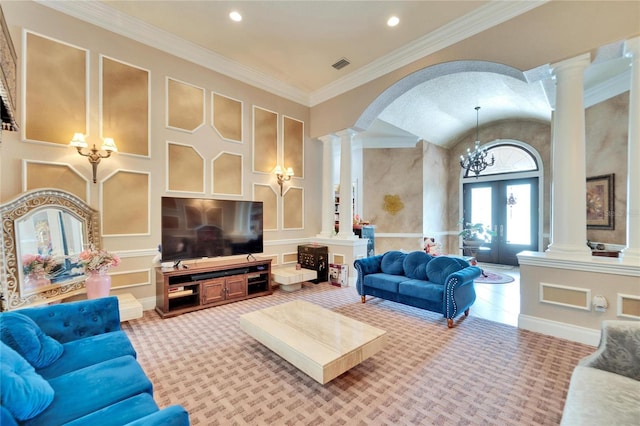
[
  {"x": 291, "y": 279},
  {"x": 129, "y": 307}
]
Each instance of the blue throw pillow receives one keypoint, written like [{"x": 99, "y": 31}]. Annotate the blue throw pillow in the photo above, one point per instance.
[
  {"x": 25, "y": 337},
  {"x": 415, "y": 265},
  {"x": 23, "y": 392},
  {"x": 392, "y": 262}
]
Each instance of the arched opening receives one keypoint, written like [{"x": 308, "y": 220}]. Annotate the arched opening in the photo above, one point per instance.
[{"x": 507, "y": 198}]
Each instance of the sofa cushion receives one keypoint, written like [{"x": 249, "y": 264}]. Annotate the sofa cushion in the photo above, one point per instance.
[
  {"x": 89, "y": 389},
  {"x": 120, "y": 413},
  {"x": 25, "y": 394},
  {"x": 25, "y": 337},
  {"x": 422, "y": 290},
  {"x": 440, "y": 267},
  {"x": 415, "y": 265},
  {"x": 598, "y": 397},
  {"x": 384, "y": 282},
  {"x": 88, "y": 351},
  {"x": 392, "y": 262}
]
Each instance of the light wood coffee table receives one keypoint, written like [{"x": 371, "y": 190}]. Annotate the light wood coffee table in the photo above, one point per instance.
[{"x": 321, "y": 343}]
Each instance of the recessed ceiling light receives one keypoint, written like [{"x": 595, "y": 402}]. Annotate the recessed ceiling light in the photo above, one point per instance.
[
  {"x": 393, "y": 21},
  {"x": 235, "y": 16}
]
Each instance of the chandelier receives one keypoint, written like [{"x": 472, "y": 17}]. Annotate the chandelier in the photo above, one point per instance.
[{"x": 476, "y": 160}]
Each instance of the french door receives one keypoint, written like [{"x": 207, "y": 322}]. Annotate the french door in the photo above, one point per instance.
[{"x": 510, "y": 208}]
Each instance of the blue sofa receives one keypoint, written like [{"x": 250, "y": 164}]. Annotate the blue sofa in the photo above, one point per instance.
[
  {"x": 72, "y": 364},
  {"x": 442, "y": 284}
]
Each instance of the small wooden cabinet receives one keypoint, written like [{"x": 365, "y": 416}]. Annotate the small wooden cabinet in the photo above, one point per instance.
[{"x": 180, "y": 290}]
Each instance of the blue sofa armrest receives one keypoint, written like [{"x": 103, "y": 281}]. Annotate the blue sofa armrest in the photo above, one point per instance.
[
  {"x": 66, "y": 322},
  {"x": 173, "y": 415},
  {"x": 459, "y": 293},
  {"x": 365, "y": 266}
]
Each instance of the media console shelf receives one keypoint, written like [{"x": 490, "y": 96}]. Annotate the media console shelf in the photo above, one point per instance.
[{"x": 211, "y": 283}]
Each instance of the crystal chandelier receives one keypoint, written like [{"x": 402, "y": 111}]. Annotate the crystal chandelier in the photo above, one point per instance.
[{"x": 475, "y": 161}]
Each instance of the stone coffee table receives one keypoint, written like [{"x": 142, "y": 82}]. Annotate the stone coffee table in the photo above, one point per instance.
[
  {"x": 319, "y": 342},
  {"x": 291, "y": 279}
]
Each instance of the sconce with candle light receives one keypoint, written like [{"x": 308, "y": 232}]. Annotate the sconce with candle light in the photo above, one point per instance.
[
  {"x": 94, "y": 155},
  {"x": 282, "y": 177}
]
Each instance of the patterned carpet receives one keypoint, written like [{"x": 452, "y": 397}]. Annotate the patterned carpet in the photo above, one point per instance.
[{"x": 478, "y": 373}]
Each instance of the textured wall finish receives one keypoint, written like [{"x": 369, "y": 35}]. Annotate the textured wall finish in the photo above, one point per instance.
[
  {"x": 293, "y": 145},
  {"x": 265, "y": 140},
  {"x": 266, "y": 194},
  {"x": 125, "y": 106},
  {"x": 56, "y": 90},
  {"x": 226, "y": 117},
  {"x": 227, "y": 174},
  {"x": 293, "y": 202},
  {"x": 185, "y": 169},
  {"x": 185, "y": 105},
  {"x": 60, "y": 176},
  {"x": 125, "y": 204},
  {"x": 396, "y": 172}
]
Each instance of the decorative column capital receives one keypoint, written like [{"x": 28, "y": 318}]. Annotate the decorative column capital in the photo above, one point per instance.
[
  {"x": 576, "y": 63},
  {"x": 632, "y": 48}
]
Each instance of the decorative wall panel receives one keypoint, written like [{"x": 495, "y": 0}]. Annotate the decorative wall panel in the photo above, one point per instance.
[
  {"x": 290, "y": 257},
  {"x": 130, "y": 278},
  {"x": 628, "y": 306},
  {"x": 227, "y": 174},
  {"x": 266, "y": 194},
  {"x": 293, "y": 201},
  {"x": 226, "y": 117},
  {"x": 59, "y": 176},
  {"x": 572, "y": 297},
  {"x": 185, "y": 105},
  {"x": 125, "y": 105},
  {"x": 293, "y": 145},
  {"x": 185, "y": 169},
  {"x": 55, "y": 90},
  {"x": 125, "y": 203},
  {"x": 265, "y": 140}
]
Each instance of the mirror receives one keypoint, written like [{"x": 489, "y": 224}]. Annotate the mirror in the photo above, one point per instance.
[{"x": 43, "y": 232}]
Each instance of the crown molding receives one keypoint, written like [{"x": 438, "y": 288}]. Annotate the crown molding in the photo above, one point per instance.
[
  {"x": 103, "y": 16},
  {"x": 464, "y": 27}
]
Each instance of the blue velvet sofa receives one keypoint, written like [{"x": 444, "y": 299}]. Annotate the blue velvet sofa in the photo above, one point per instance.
[
  {"x": 71, "y": 364},
  {"x": 442, "y": 284}
]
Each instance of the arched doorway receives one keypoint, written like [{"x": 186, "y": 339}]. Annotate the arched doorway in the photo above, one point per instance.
[{"x": 507, "y": 198}]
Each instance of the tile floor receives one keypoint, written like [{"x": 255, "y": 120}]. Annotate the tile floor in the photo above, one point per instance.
[{"x": 498, "y": 302}]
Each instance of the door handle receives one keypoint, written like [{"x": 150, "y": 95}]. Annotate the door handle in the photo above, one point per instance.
[{"x": 501, "y": 231}]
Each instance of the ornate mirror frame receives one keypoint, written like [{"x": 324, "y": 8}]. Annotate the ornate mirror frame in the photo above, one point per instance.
[{"x": 14, "y": 292}]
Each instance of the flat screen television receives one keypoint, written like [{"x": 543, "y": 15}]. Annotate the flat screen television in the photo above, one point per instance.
[{"x": 194, "y": 228}]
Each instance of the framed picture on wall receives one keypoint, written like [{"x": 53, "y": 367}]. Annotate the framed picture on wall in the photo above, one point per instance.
[{"x": 600, "y": 198}]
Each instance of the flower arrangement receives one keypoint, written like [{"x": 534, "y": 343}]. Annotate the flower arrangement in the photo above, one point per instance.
[
  {"x": 38, "y": 264},
  {"x": 97, "y": 260}
]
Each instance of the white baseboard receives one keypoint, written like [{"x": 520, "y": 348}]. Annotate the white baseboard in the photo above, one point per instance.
[
  {"x": 148, "y": 303},
  {"x": 587, "y": 336}
]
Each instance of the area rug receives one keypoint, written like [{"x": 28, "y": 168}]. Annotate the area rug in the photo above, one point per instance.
[
  {"x": 489, "y": 277},
  {"x": 478, "y": 373}
]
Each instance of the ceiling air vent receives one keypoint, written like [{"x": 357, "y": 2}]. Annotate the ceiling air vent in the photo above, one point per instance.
[{"x": 341, "y": 63}]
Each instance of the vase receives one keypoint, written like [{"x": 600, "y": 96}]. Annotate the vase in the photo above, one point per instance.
[
  {"x": 36, "y": 279},
  {"x": 98, "y": 284}
]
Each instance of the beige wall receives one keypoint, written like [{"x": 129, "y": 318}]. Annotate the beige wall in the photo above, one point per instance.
[{"x": 137, "y": 251}]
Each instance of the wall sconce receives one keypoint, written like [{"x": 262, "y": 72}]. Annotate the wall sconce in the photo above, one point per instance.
[
  {"x": 282, "y": 178},
  {"x": 94, "y": 156}
]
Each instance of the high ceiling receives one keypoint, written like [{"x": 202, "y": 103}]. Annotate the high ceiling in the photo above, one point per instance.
[{"x": 288, "y": 48}]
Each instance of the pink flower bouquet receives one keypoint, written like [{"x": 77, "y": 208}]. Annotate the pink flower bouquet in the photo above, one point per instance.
[
  {"x": 97, "y": 260},
  {"x": 37, "y": 263}
]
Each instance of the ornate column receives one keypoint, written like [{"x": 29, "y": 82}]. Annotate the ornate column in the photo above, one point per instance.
[
  {"x": 568, "y": 197},
  {"x": 346, "y": 191},
  {"x": 632, "y": 251},
  {"x": 328, "y": 168}
]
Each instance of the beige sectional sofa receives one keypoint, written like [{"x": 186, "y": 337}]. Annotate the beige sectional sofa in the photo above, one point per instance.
[{"x": 605, "y": 386}]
